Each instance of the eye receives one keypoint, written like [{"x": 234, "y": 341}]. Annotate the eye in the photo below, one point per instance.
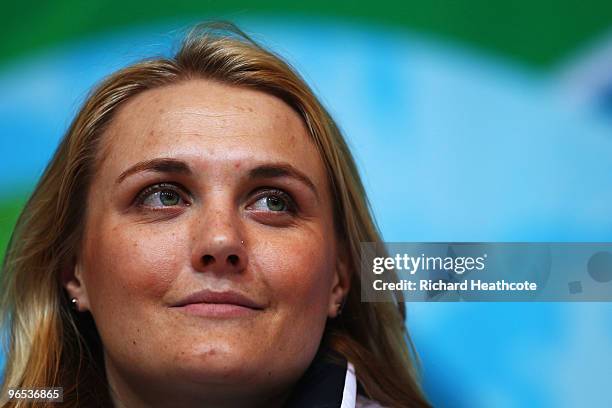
[
  {"x": 273, "y": 201},
  {"x": 160, "y": 196}
]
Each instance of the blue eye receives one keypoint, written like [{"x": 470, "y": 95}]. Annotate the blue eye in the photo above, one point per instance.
[
  {"x": 274, "y": 201},
  {"x": 160, "y": 195}
]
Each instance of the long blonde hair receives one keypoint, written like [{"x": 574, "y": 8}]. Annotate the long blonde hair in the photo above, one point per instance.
[{"x": 48, "y": 344}]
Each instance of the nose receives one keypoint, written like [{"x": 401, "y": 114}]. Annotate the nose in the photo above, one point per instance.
[{"x": 219, "y": 243}]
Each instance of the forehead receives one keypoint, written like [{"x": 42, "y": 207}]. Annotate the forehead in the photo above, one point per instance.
[{"x": 209, "y": 122}]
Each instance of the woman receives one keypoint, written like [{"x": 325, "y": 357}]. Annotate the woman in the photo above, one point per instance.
[{"x": 195, "y": 242}]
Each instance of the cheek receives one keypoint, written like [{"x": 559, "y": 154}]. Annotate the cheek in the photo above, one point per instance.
[
  {"x": 127, "y": 265},
  {"x": 299, "y": 271}
]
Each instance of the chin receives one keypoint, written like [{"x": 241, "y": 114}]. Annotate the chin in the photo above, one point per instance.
[{"x": 219, "y": 363}]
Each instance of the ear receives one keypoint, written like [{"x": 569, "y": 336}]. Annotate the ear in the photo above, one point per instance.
[
  {"x": 341, "y": 284},
  {"x": 72, "y": 281}
]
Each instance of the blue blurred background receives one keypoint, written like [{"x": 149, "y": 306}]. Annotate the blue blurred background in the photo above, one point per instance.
[{"x": 470, "y": 121}]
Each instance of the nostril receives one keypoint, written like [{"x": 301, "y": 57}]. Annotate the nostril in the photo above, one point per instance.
[
  {"x": 233, "y": 260},
  {"x": 208, "y": 260}
]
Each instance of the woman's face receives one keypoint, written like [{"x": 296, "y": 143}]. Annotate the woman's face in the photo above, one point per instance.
[{"x": 209, "y": 260}]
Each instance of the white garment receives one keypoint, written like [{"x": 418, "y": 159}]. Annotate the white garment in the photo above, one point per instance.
[{"x": 350, "y": 398}]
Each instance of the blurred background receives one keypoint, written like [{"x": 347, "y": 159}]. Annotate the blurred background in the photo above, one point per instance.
[{"x": 470, "y": 121}]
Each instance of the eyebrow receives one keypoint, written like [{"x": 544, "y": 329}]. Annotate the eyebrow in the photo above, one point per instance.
[
  {"x": 159, "y": 165},
  {"x": 265, "y": 171},
  {"x": 279, "y": 170}
]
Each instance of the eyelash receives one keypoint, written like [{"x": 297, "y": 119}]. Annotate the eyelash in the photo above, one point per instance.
[
  {"x": 274, "y": 192},
  {"x": 264, "y": 192},
  {"x": 155, "y": 188}
]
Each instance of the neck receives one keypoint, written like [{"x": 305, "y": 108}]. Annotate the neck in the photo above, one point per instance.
[{"x": 159, "y": 392}]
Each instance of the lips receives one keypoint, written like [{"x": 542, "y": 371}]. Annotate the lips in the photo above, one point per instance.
[{"x": 231, "y": 298}]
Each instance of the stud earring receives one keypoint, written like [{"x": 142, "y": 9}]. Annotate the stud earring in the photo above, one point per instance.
[
  {"x": 74, "y": 302},
  {"x": 340, "y": 307}
]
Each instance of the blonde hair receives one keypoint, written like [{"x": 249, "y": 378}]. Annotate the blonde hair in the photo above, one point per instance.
[{"x": 48, "y": 344}]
